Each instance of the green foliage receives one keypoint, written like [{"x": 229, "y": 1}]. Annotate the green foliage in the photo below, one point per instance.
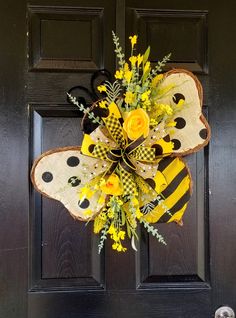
[
  {"x": 118, "y": 50},
  {"x": 85, "y": 110},
  {"x": 159, "y": 67},
  {"x": 151, "y": 229},
  {"x": 146, "y": 55},
  {"x": 103, "y": 237},
  {"x": 113, "y": 91}
]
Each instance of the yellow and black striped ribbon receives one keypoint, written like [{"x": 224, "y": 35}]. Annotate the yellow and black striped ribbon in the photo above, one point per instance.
[{"x": 180, "y": 172}]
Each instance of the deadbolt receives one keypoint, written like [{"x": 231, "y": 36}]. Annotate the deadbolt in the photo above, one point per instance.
[{"x": 224, "y": 312}]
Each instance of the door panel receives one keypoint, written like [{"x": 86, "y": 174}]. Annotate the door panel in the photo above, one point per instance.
[
  {"x": 59, "y": 244},
  {"x": 65, "y": 38},
  {"x": 169, "y": 31},
  {"x": 49, "y": 265}
]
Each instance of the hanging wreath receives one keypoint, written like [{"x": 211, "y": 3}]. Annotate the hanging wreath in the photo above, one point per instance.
[{"x": 129, "y": 169}]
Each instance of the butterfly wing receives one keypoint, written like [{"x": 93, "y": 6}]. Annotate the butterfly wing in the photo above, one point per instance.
[
  {"x": 173, "y": 183},
  {"x": 62, "y": 173},
  {"x": 191, "y": 131}
]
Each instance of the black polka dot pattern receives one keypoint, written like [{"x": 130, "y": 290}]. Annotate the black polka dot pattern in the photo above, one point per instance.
[
  {"x": 88, "y": 126},
  {"x": 180, "y": 123},
  {"x": 84, "y": 204},
  {"x": 177, "y": 97},
  {"x": 203, "y": 133},
  {"x": 166, "y": 138},
  {"x": 47, "y": 176},
  {"x": 100, "y": 111},
  {"x": 73, "y": 161},
  {"x": 177, "y": 144},
  {"x": 158, "y": 150},
  {"x": 74, "y": 181},
  {"x": 91, "y": 148}
]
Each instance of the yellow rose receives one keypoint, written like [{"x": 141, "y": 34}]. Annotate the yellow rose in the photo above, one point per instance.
[
  {"x": 112, "y": 185},
  {"x": 136, "y": 124}
]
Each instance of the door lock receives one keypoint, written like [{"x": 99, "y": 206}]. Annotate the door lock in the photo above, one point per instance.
[{"x": 224, "y": 312}]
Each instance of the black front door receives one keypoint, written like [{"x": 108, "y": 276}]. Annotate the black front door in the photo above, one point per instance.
[{"x": 49, "y": 262}]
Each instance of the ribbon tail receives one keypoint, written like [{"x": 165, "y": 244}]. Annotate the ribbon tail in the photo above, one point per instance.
[{"x": 128, "y": 182}]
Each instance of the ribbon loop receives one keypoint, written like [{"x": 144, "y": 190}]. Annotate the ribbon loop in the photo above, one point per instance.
[
  {"x": 115, "y": 129},
  {"x": 134, "y": 145}
]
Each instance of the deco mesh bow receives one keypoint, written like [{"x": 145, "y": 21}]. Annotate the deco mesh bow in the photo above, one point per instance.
[{"x": 129, "y": 169}]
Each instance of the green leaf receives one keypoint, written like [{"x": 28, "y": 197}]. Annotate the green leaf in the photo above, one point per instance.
[
  {"x": 122, "y": 217},
  {"x": 145, "y": 75},
  {"x": 146, "y": 55},
  {"x": 128, "y": 229}
]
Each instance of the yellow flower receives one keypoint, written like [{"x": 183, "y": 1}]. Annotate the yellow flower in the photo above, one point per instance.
[
  {"x": 139, "y": 214},
  {"x": 129, "y": 97},
  {"x": 140, "y": 59},
  {"x": 126, "y": 67},
  {"x": 112, "y": 229},
  {"x": 98, "y": 224},
  {"x": 133, "y": 40},
  {"x": 167, "y": 109},
  {"x": 136, "y": 124},
  {"x": 156, "y": 79},
  {"x": 146, "y": 67},
  {"x": 171, "y": 124},
  {"x": 119, "y": 74},
  {"x": 133, "y": 60},
  {"x": 103, "y": 215},
  {"x": 146, "y": 105},
  {"x": 115, "y": 245},
  {"x": 135, "y": 201},
  {"x": 162, "y": 109},
  {"x": 153, "y": 122},
  {"x": 102, "y": 88},
  {"x": 145, "y": 95},
  {"x": 120, "y": 248},
  {"x": 85, "y": 192},
  {"x": 110, "y": 213},
  {"x": 120, "y": 202},
  {"x": 112, "y": 185},
  {"x": 121, "y": 235},
  {"x": 128, "y": 76},
  {"x": 103, "y": 104}
]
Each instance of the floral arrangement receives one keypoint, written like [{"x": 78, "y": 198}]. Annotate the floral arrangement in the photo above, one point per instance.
[{"x": 128, "y": 169}]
